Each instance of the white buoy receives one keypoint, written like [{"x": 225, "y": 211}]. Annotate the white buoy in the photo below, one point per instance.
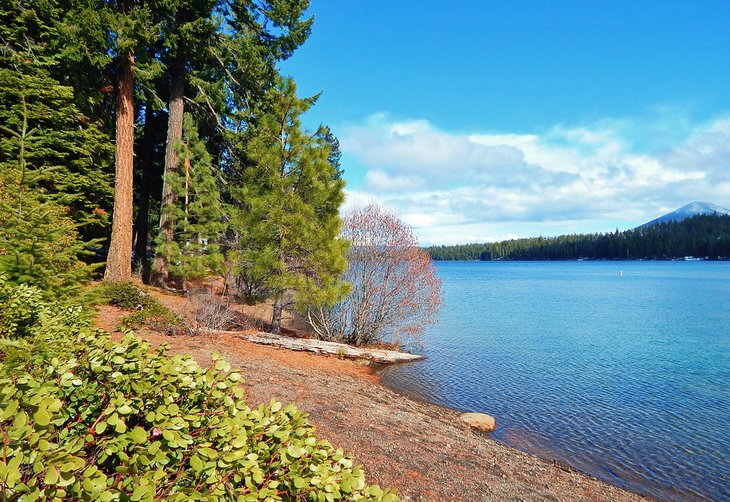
[{"x": 620, "y": 273}]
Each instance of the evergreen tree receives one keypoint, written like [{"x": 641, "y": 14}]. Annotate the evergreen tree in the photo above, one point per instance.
[
  {"x": 101, "y": 41},
  {"x": 335, "y": 155},
  {"x": 188, "y": 30},
  {"x": 68, "y": 154},
  {"x": 194, "y": 252},
  {"x": 289, "y": 223},
  {"x": 223, "y": 68},
  {"x": 39, "y": 244}
]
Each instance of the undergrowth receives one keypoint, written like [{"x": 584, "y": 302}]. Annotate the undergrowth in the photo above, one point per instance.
[
  {"x": 147, "y": 311},
  {"x": 105, "y": 420}
]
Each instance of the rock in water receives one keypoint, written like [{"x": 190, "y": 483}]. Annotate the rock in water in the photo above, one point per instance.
[{"x": 479, "y": 421}]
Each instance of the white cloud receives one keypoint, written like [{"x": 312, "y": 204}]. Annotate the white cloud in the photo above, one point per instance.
[
  {"x": 379, "y": 180},
  {"x": 461, "y": 187}
]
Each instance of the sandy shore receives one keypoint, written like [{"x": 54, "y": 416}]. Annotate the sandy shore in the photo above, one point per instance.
[{"x": 417, "y": 448}]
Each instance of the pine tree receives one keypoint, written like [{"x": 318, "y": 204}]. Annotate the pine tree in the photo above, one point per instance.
[
  {"x": 39, "y": 243},
  {"x": 102, "y": 39},
  {"x": 67, "y": 152},
  {"x": 224, "y": 69},
  {"x": 289, "y": 224},
  {"x": 194, "y": 252},
  {"x": 188, "y": 29}
]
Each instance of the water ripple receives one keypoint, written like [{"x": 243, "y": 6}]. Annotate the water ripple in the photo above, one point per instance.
[{"x": 627, "y": 379}]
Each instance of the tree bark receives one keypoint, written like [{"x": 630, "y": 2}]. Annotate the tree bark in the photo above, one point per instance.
[
  {"x": 276, "y": 315},
  {"x": 119, "y": 258},
  {"x": 176, "y": 110},
  {"x": 141, "y": 226}
]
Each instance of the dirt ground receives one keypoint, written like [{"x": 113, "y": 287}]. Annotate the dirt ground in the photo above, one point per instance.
[{"x": 417, "y": 448}]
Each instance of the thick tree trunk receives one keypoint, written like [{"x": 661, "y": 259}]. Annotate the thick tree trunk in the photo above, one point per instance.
[
  {"x": 141, "y": 225},
  {"x": 276, "y": 315},
  {"x": 119, "y": 259},
  {"x": 176, "y": 109}
]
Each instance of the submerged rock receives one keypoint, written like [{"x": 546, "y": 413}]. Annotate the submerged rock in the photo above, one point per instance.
[{"x": 479, "y": 421}]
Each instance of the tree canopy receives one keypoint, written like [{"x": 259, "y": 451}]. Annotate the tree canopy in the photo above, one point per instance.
[
  {"x": 155, "y": 123},
  {"x": 703, "y": 236}
]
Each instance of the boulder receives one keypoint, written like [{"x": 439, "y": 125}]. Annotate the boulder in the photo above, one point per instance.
[{"x": 479, "y": 421}]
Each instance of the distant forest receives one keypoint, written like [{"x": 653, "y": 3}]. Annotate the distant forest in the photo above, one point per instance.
[{"x": 703, "y": 236}]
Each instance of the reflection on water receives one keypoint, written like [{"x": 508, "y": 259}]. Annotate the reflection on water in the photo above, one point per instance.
[{"x": 625, "y": 377}]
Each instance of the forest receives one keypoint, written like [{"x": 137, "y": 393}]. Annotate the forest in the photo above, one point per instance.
[
  {"x": 702, "y": 236},
  {"x": 160, "y": 137}
]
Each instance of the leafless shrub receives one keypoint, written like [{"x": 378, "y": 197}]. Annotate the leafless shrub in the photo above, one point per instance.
[
  {"x": 210, "y": 311},
  {"x": 395, "y": 289}
]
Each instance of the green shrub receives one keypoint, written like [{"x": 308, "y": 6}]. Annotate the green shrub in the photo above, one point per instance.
[
  {"x": 20, "y": 307},
  {"x": 124, "y": 295},
  {"x": 148, "y": 311},
  {"x": 33, "y": 331},
  {"x": 116, "y": 421}
]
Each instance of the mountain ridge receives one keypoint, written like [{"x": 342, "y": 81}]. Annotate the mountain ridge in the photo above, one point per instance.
[{"x": 688, "y": 211}]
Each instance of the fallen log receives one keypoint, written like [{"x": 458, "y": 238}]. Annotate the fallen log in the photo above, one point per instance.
[{"x": 379, "y": 356}]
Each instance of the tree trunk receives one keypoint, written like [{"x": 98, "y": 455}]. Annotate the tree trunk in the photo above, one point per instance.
[
  {"x": 141, "y": 225},
  {"x": 276, "y": 315},
  {"x": 119, "y": 258},
  {"x": 176, "y": 110}
]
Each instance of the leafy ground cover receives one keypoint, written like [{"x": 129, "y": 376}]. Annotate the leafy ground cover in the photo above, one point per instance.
[{"x": 115, "y": 420}]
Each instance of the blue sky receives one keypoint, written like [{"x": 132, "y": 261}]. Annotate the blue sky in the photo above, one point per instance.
[{"x": 486, "y": 120}]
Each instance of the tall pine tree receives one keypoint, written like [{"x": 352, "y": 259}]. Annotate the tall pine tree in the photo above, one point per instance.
[
  {"x": 41, "y": 141},
  {"x": 289, "y": 221},
  {"x": 188, "y": 29},
  {"x": 194, "y": 252},
  {"x": 102, "y": 39}
]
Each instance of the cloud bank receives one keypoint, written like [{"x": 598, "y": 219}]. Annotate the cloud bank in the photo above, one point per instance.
[{"x": 466, "y": 186}]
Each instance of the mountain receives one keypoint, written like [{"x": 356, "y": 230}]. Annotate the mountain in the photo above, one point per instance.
[{"x": 688, "y": 211}]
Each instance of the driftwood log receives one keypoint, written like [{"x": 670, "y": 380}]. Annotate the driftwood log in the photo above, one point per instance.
[{"x": 380, "y": 356}]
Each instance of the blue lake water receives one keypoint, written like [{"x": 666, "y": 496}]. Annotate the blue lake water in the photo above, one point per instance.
[{"x": 619, "y": 369}]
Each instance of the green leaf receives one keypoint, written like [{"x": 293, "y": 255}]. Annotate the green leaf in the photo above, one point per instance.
[
  {"x": 222, "y": 365},
  {"x": 10, "y": 409},
  {"x": 100, "y": 427},
  {"x": 42, "y": 417},
  {"x": 138, "y": 435},
  {"x": 196, "y": 463},
  {"x": 139, "y": 492},
  {"x": 295, "y": 451},
  {"x": 67, "y": 478},
  {"x": 120, "y": 427},
  {"x": 258, "y": 476},
  {"x": 51, "y": 477}
]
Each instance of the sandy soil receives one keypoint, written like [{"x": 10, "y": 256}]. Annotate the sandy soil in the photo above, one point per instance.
[{"x": 417, "y": 448}]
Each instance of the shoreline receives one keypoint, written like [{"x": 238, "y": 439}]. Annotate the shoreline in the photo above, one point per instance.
[
  {"x": 417, "y": 447},
  {"x": 414, "y": 446},
  {"x": 561, "y": 464}
]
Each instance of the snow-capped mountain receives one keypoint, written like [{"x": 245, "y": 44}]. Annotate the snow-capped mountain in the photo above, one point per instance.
[{"x": 691, "y": 209}]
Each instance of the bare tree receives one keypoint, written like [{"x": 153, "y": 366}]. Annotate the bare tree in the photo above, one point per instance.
[{"x": 395, "y": 289}]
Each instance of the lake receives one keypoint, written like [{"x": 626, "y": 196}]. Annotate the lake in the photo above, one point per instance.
[{"x": 619, "y": 369}]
